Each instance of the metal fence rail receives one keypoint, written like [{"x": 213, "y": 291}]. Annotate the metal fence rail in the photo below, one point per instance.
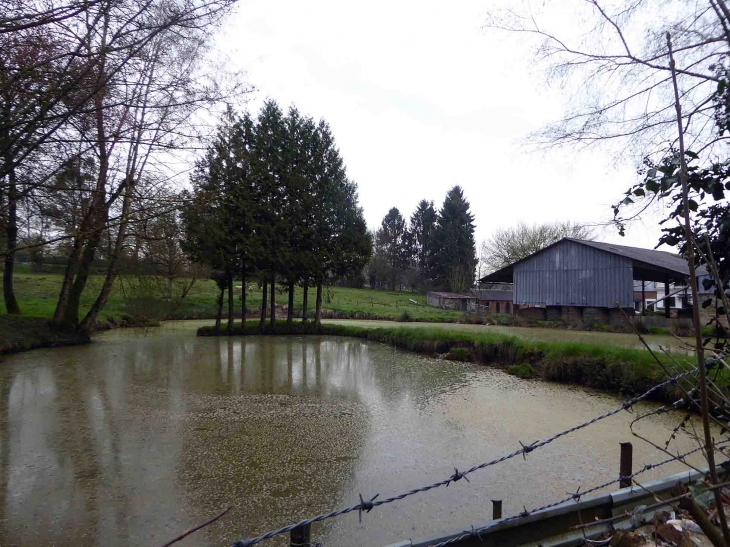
[{"x": 555, "y": 525}]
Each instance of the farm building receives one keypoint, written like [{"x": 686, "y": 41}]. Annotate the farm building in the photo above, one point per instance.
[
  {"x": 495, "y": 301},
  {"x": 583, "y": 281},
  {"x": 451, "y": 301}
]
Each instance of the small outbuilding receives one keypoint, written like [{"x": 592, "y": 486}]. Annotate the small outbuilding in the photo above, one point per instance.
[
  {"x": 451, "y": 301},
  {"x": 495, "y": 301}
]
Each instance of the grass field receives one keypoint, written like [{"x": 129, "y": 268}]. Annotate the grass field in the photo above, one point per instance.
[{"x": 38, "y": 293}]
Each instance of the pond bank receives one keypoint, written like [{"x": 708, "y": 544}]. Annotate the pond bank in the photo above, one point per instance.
[
  {"x": 18, "y": 333},
  {"x": 609, "y": 368}
]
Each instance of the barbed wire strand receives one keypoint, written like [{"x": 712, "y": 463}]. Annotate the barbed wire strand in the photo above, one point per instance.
[{"x": 367, "y": 505}]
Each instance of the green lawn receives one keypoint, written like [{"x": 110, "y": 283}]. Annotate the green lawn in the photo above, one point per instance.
[{"x": 38, "y": 293}]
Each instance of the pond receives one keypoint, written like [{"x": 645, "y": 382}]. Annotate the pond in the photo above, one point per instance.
[{"x": 138, "y": 436}]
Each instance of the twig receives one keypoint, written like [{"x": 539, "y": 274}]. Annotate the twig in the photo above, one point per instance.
[
  {"x": 629, "y": 515},
  {"x": 189, "y": 531}
]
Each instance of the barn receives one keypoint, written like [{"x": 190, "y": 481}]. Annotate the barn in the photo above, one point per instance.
[{"x": 583, "y": 281}]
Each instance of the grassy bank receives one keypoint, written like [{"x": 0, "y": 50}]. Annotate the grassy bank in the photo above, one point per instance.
[
  {"x": 608, "y": 368},
  {"x": 24, "y": 333},
  {"x": 38, "y": 292}
]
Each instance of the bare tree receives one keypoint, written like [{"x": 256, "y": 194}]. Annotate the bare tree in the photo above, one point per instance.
[
  {"x": 119, "y": 85},
  {"x": 460, "y": 278},
  {"x": 613, "y": 65},
  {"x": 508, "y": 245}
]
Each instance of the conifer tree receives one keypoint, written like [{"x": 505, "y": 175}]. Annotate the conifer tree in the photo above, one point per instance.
[
  {"x": 422, "y": 226},
  {"x": 453, "y": 249},
  {"x": 392, "y": 242}
]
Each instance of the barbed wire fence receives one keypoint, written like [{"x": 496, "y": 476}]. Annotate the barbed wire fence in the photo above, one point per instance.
[
  {"x": 367, "y": 504},
  {"x": 575, "y": 496}
]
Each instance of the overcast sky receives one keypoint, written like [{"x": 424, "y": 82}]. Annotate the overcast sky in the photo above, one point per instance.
[{"x": 421, "y": 97}]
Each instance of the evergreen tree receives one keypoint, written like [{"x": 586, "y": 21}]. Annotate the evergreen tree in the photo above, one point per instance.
[
  {"x": 269, "y": 168},
  {"x": 391, "y": 241},
  {"x": 209, "y": 215},
  {"x": 272, "y": 196},
  {"x": 423, "y": 224},
  {"x": 453, "y": 249}
]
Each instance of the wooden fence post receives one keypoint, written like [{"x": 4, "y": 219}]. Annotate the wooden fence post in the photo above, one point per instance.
[
  {"x": 300, "y": 536},
  {"x": 626, "y": 465},
  {"x": 496, "y": 509}
]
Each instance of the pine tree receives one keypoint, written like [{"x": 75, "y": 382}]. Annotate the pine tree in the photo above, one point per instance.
[
  {"x": 453, "y": 249},
  {"x": 423, "y": 224},
  {"x": 391, "y": 241},
  {"x": 209, "y": 214},
  {"x": 268, "y": 165}
]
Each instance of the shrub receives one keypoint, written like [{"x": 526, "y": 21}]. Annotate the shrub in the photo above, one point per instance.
[
  {"x": 523, "y": 370},
  {"x": 405, "y": 317},
  {"x": 549, "y": 324},
  {"x": 459, "y": 354}
]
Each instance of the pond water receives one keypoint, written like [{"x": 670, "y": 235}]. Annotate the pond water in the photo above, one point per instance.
[{"x": 138, "y": 436}]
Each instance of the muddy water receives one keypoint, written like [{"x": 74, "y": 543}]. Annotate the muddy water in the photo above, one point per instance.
[{"x": 133, "y": 439}]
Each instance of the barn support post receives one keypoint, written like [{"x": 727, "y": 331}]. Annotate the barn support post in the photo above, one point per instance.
[
  {"x": 643, "y": 296},
  {"x": 667, "y": 306}
]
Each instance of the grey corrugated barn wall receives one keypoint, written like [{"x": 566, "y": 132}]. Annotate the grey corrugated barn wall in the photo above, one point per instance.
[{"x": 571, "y": 274}]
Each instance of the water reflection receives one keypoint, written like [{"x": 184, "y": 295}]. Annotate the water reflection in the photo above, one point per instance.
[{"x": 134, "y": 438}]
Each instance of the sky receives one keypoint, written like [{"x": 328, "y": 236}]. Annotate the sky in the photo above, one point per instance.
[{"x": 421, "y": 97}]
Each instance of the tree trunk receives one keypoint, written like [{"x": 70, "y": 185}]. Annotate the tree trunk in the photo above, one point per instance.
[
  {"x": 113, "y": 270},
  {"x": 272, "y": 324},
  {"x": 11, "y": 242},
  {"x": 305, "y": 289},
  {"x": 243, "y": 298},
  {"x": 318, "y": 305},
  {"x": 72, "y": 265},
  {"x": 230, "y": 303},
  {"x": 71, "y": 316},
  {"x": 290, "y": 308},
  {"x": 262, "y": 322},
  {"x": 219, "y": 316}
]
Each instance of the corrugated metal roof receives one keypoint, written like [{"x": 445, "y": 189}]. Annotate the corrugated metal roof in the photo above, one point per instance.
[
  {"x": 661, "y": 261},
  {"x": 495, "y": 295}
]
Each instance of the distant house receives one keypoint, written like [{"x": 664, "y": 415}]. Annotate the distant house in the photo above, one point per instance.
[
  {"x": 451, "y": 301},
  {"x": 645, "y": 295},
  {"x": 584, "y": 281},
  {"x": 495, "y": 301}
]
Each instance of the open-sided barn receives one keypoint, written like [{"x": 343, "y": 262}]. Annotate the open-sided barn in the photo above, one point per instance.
[{"x": 585, "y": 280}]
